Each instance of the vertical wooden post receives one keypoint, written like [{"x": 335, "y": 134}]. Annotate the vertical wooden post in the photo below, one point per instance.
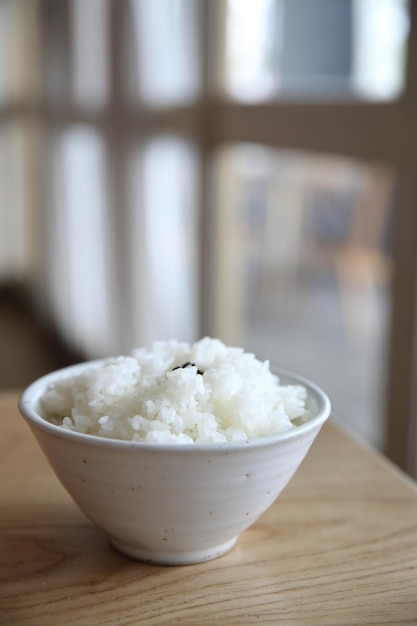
[{"x": 402, "y": 370}]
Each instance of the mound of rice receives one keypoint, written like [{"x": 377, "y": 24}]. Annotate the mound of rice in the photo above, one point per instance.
[{"x": 178, "y": 393}]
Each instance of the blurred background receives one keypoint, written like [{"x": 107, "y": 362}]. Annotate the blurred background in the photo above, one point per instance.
[{"x": 178, "y": 168}]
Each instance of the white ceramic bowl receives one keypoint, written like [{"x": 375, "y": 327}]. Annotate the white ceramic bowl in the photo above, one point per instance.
[{"x": 172, "y": 504}]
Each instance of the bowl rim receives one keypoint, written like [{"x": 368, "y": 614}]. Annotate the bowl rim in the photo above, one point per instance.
[{"x": 32, "y": 393}]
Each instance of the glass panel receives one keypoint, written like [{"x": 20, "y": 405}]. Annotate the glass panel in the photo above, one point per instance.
[
  {"x": 378, "y": 64},
  {"x": 78, "y": 241},
  {"x": 253, "y": 42},
  {"x": 163, "y": 261},
  {"x": 303, "y": 270},
  {"x": 20, "y": 50},
  {"x": 19, "y": 200},
  {"x": 318, "y": 48},
  {"x": 5, "y": 73},
  {"x": 90, "y": 52},
  {"x": 164, "y": 52},
  {"x": 10, "y": 235}
]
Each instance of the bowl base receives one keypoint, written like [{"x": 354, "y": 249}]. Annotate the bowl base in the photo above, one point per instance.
[{"x": 173, "y": 558}]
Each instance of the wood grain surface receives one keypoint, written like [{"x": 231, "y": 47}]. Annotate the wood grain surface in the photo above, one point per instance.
[{"x": 338, "y": 547}]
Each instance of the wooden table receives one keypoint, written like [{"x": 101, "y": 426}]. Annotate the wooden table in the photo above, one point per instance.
[{"x": 338, "y": 547}]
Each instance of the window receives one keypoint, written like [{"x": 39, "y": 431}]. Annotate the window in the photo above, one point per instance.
[
  {"x": 242, "y": 169},
  {"x": 163, "y": 262},
  {"x": 350, "y": 48},
  {"x": 304, "y": 264}
]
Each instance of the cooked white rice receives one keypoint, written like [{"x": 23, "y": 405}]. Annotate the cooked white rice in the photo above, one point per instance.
[{"x": 178, "y": 393}]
